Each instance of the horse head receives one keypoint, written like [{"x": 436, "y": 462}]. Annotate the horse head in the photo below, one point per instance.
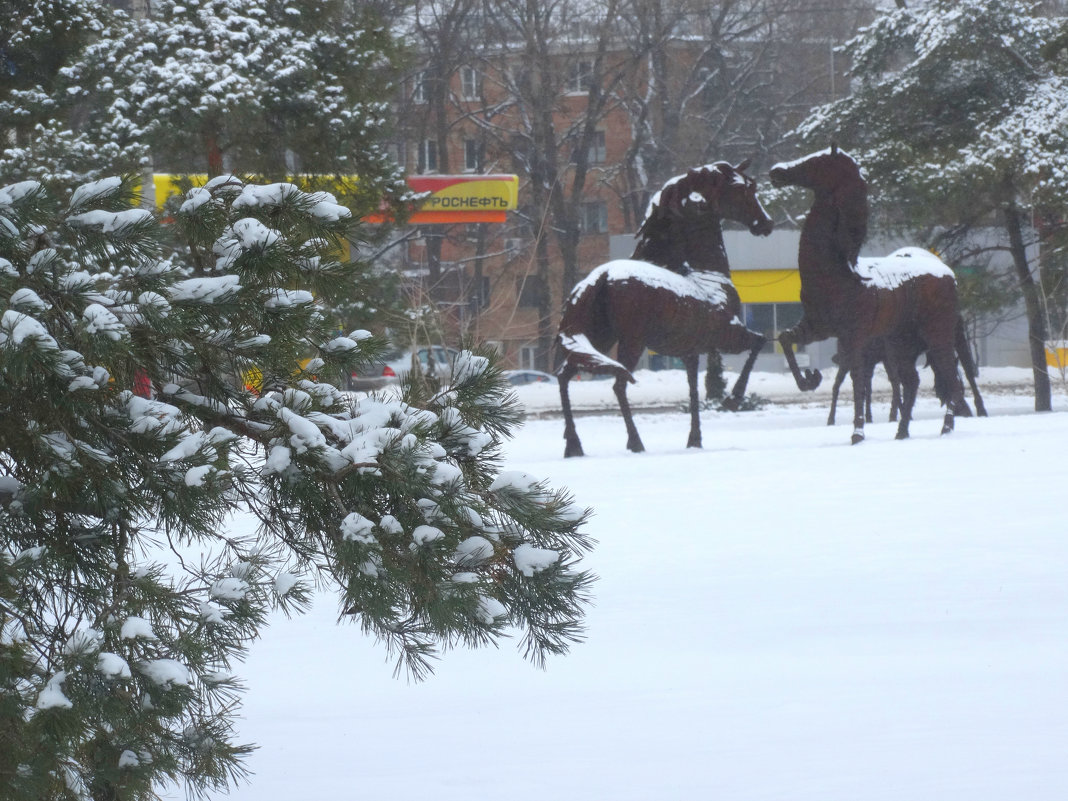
[
  {"x": 839, "y": 216},
  {"x": 718, "y": 190},
  {"x": 829, "y": 170}
]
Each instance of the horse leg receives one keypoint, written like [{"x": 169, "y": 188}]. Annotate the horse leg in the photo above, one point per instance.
[
  {"x": 967, "y": 361},
  {"x": 980, "y": 409},
  {"x": 755, "y": 344},
  {"x": 963, "y": 409},
  {"x": 695, "y": 412},
  {"x": 854, "y": 357},
  {"x": 908, "y": 377},
  {"x": 839, "y": 379},
  {"x": 869, "y": 373},
  {"x": 893, "y": 374},
  {"x": 572, "y": 444},
  {"x": 634, "y": 442},
  {"x": 627, "y": 354},
  {"x": 799, "y": 335},
  {"x": 948, "y": 385}
]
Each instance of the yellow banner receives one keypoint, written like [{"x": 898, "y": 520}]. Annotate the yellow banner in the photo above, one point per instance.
[{"x": 768, "y": 286}]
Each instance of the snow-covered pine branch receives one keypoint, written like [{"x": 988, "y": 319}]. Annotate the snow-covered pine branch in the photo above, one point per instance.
[{"x": 145, "y": 397}]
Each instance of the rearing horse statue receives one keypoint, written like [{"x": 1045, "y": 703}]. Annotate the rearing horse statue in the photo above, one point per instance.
[
  {"x": 673, "y": 295},
  {"x": 908, "y": 299}
]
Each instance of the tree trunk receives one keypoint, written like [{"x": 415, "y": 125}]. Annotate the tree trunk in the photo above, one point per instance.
[
  {"x": 215, "y": 156},
  {"x": 1036, "y": 320},
  {"x": 435, "y": 238},
  {"x": 546, "y": 333}
]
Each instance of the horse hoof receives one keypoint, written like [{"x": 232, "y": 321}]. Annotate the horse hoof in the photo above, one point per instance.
[
  {"x": 901, "y": 435},
  {"x": 857, "y": 438},
  {"x": 692, "y": 444},
  {"x": 812, "y": 380},
  {"x": 571, "y": 450},
  {"x": 635, "y": 447}
]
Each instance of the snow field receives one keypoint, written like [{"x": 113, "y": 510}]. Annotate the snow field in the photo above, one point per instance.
[{"x": 779, "y": 616}]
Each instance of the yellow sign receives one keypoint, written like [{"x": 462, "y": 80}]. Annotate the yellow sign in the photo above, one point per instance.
[
  {"x": 768, "y": 286},
  {"x": 450, "y": 198}
]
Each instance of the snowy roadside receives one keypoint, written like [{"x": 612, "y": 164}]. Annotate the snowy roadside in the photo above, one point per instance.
[{"x": 667, "y": 389}]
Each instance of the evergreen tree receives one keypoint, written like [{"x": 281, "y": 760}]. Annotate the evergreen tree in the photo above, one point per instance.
[
  {"x": 261, "y": 88},
  {"x": 959, "y": 115},
  {"x": 37, "y": 106},
  {"x": 36, "y": 39},
  {"x": 128, "y": 436}
]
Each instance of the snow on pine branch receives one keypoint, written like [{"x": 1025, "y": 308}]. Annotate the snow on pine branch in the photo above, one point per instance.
[{"x": 127, "y": 386}]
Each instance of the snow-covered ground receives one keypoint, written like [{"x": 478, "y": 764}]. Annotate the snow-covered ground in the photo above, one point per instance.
[
  {"x": 779, "y": 616},
  {"x": 668, "y": 388}
]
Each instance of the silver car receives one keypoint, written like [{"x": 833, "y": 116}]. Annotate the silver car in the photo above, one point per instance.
[{"x": 435, "y": 360}]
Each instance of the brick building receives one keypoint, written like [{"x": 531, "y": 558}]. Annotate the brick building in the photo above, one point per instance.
[{"x": 504, "y": 284}]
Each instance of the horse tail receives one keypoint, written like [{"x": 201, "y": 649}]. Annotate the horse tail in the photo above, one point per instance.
[
  {"x": 967, "y": 361},
  {"x": 964, "y": 350},
  {"x": 585, "y": 312},
  {"x": 580, "y": 313}
]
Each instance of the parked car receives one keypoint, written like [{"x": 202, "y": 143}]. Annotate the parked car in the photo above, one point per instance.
[
  {"x": 434, "y": 360},
  {"x": 520, "y": 377}
]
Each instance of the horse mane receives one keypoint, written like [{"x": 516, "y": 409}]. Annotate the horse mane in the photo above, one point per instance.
[
  {"x": 670, "y": 209},
  {"x": 850, "y": 199},
  {"x": 852, "y": 226}
]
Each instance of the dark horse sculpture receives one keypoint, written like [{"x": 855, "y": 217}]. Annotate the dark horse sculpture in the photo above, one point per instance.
[
  {"x": 875, "y": 352},
  {"x": 908, "y": 299},
  {"x": 673, "y": 295}
]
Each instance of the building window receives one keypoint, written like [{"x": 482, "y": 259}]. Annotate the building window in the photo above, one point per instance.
[
  {"x": 472, "y": 155},
  {"x": 771, "y": 319},
  {"x": 597, "y": 151},
  {"x": 593, "y": 218},
  {"x": 428, "y": 156},
  {"x": 528, "y": 357},
  {"x": 469, "y": 83},
  {"x": 420, "y": 93},
  {"x": 579, "y": 77},
  {"x": 595, "y": 154},
  {"x": 528, "y": 292}
]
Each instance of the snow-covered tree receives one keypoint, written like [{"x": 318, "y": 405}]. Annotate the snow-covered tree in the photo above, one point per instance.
[
  {"x": 37, "y": 112},
  {"x": 262, "y": 88},
  {"x": 129, "y": 434},
  {"x": 36, "y": 39},
  {"x": 724, "y": 80},
  {"x": 959, "y": 115}
]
